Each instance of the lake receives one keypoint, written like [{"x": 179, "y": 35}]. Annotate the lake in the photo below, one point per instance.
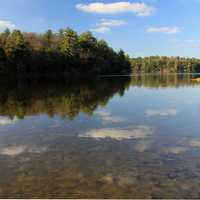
[{"x": 116, "y": 137}]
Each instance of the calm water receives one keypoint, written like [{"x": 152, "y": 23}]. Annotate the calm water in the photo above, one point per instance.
[{"x": 111, "y": 138}]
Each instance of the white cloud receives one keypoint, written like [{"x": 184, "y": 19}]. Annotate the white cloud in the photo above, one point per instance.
[
  {"x": 107, "y": 117},
  {"x": 187, "y": 44},
  {"x": 140, "y": 9},
  {"x": 7, "y": 24},
  {"x": 164, "y": 29},
  {"x": 105, "y": 25},
  {"x": 139, "y": 132},
  {"x": 161, "y": 112},
  {"x": 111, "y": 23},
  {"x": 189, "y": 1},
  {"x": 192, "y": 43},
  {"x": 101, "y": 29}
]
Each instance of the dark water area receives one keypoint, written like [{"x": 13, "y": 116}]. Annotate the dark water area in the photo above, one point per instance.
[{"x": 115, "y": 137}]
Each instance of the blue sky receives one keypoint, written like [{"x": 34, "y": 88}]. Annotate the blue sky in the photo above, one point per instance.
[{"x": 141, "y": 28}]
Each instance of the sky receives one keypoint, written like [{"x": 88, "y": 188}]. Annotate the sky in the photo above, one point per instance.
[{"x": 140, "y": 28}]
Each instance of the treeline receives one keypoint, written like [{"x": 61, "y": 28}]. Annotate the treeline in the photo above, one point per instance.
[
  {"x": 157, "y": 64},
  {"x": 64, "y": 53}
]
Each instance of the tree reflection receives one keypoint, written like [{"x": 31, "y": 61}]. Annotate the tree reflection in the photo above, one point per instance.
[
  {"x": 66, "y": 99},
  {"x": 164, "y": 81}
]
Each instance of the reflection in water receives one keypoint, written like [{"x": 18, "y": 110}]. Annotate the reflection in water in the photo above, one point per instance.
[
  {"x": 8, "y": 121},
  {"x": 110, "y": 138},
  {"x": 161, "y": 112},
  {"x": 175, "y": 150},
  {"x": 17, "y": 150},
  {"x": 139, "y": 132},
  {"x": 143, "y": 146},
  {"x": 107, "y": 117},
  {"x": 155, "y": 81},
  {"x": 195, "y": 143},
  {"x": 13, "y": 150},
  {"x": 64, "y": 99}
]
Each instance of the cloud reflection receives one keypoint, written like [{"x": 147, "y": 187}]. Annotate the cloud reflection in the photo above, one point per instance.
[
  {"x": 121, "y": 179},
  {"x": 139, "y": 132},
  {"x": 175, "y": 150},
  {"x": 19, "y": 149},
  {"x": 195, "y": 143},
  {"x": 143, "y": 146},
  {"x": 161, "y": 112},
  {"x": 13, "y": 150},
  {"x": 107, "y": 117},
  {"x": 7, "y": 121}
]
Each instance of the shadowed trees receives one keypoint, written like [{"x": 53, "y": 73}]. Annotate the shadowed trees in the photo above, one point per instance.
[
  {"x": 64, "y": 53},
  {"x": 17, "y": 52}
]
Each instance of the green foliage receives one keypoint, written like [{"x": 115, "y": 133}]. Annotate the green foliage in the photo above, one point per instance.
[
  {"x": 16, "y": 51},
  {"x": 69, "y": 43},
  {"x": 48, "y": 40},
  {"x": 64, "y": 53},
  {"x": 3, "y": 37},
  {"x": 157, "y": 64}
]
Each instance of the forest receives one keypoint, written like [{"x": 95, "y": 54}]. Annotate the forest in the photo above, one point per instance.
[
  {"x": 163, "y": 65},
  {"x": 68, "y": 54},
  {"x": 55, "y": 54}
]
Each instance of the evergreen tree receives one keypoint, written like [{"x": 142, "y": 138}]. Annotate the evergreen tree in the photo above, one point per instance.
[{"x": 64, "y": 53}]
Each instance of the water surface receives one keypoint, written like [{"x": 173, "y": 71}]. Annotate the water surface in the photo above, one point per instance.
[{"x": 115, "y": 137}]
